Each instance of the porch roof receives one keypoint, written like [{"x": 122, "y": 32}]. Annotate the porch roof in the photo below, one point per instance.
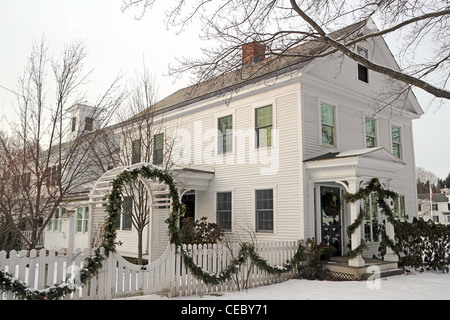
[
  {"x": 363, "y": 163},
  {"x": 185, "y": 179}
]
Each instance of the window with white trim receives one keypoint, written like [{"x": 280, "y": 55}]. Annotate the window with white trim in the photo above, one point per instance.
[
  {"x": 126, "y": 214},
  {"x": 396, "y": 141},
  {"x": 264, "y": 210},
  {"x": 399, "y": 208},
  {"x": 363, "y": 73},
  {"x": 263, "y": 126},
  {"x": 136, "y": 151},
  {"x": 83, "y": 219},
  {"x": 225, "y": 131},
  {"x": 158, "y": 149},
  {"x": 371, "y": 221},
  {"x": 370, "y": 130},
  {"x": 328, "y": 123},
  {"x": 224, "y": 210}
]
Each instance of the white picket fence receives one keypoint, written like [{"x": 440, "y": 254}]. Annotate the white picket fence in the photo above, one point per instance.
[
  {"x": 216, "y": 258},
  {"x": 118, "y": 277}
]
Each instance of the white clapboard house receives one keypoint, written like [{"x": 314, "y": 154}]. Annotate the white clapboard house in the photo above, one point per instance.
[{"x": 269, "y": 150}]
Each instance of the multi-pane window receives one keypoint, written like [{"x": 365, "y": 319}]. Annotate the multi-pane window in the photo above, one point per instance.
[
  {"x": 55, "y": 222},
  {"x": 371, "y": 222},
  {"x": 371, "y": 139},
  {"x": 158, "y": 149},
  {"x": 399, "y": 208},
  {"x": 363, "y": 73},
  {"x": 225, "y": 139},
  {"x": 88, "y": 124},
  {"x": 127, "y": 211},
  {"x": 82, "y": 219},
  {"x": 74, "y": 124},
  {"x": 396, "y": 141},
  {"x": 224, "y": 210},
  {"x": 53, "y": 175},
  {"x": 328, "y": 122},
  {"x": 264, "y": 210},
  {"x": 263, "y": 126},
  {"x": 135, "y": 151}
]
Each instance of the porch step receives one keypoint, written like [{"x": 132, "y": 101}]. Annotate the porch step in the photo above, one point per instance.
[{"x": 338, "y": 267}]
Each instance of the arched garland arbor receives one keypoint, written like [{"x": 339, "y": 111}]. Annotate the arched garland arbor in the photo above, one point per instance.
[{"x": 151, "y": 172}]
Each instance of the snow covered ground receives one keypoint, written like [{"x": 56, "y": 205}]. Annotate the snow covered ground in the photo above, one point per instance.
[{"x": 414, "y": 286}]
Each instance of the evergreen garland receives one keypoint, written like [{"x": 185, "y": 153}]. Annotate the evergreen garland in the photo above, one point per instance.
[{"x": 382, "y": 194}]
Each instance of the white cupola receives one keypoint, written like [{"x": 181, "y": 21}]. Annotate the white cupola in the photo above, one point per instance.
[{"x": 82, "y": 119}]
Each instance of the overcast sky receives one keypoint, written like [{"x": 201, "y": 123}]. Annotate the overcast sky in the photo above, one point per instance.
[{"x": 118, "y": 43}]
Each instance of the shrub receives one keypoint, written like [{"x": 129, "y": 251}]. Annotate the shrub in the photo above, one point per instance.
[
  {"x": 315, "y": 257},
  {"x": 423, "y": 245},
  {"x": 200, "y": 232}
]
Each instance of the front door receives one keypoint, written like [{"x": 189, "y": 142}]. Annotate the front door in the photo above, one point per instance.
[
  {"x": 188, "y": 200},
  {"x": 331, "y": 217}
]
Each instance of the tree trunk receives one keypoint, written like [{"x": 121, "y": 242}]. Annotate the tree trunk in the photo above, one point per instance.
[{"x": 140, "y": 246}]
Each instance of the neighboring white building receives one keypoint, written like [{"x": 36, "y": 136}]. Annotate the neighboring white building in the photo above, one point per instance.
[
  {"x": 270, "y": 151},
  {"x": 440, "y": 212}
]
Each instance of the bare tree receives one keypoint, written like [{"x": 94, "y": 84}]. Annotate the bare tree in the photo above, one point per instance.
[
  {"x": 142, "y": 139},
  {"x": 41, "y": 166},
  {"x": 426, "y": 176},
  {"x": 282, "y": 26}
]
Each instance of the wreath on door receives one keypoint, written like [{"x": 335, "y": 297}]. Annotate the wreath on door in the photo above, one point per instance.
[{"x": 331, "y": 205}]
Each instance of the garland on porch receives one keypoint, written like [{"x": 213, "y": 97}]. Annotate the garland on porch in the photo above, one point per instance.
[{"x": 382, "y": 194}]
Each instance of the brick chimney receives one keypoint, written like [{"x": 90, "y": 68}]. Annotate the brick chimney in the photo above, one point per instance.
[{"x": 253, "y": 52}]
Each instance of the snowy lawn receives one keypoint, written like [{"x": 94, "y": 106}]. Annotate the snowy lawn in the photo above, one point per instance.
[{"x": 414, "y": 286}]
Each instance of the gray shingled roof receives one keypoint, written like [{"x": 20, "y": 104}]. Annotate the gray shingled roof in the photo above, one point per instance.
[{"x": 437, "y": 197}]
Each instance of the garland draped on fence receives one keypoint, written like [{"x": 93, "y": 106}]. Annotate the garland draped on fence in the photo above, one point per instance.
[{"x": 94, "y": 262}]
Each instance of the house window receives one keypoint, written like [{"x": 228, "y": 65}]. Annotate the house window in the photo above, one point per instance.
[
  {"x": 399, "y": 208},
  {"x": 88, "y": 124},
  {"x": 125, "y": 216},
  {"x": 371, "y": 223},
  {"x": 82, "y": 219},
  {"x": 225, "y": 139},
  {"x": 396, "y": 141},
  {"x": 263, "y": 126},
  {"x": 135, "y": 151},
  {"x": 363, "y": 73},
  {"x": 264, "y": 210},
  {"x": 371, "y": 139},
  {"x": 328, "y": 121},
  {"x": 55, "y": 223},
  {"x": 435, "y": 207},
  {"x": 53, "y": 175},
  {"x": 436, "y": 219},
  {"x": 74, "y": 123},
  {"x": 158, "y": 149},
  {"x": 223, "y": 210}
]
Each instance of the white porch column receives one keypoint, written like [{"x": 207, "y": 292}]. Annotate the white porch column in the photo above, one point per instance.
[
  {"x": 353, "y": 187},
  {"x": 390, "y": 255}
]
